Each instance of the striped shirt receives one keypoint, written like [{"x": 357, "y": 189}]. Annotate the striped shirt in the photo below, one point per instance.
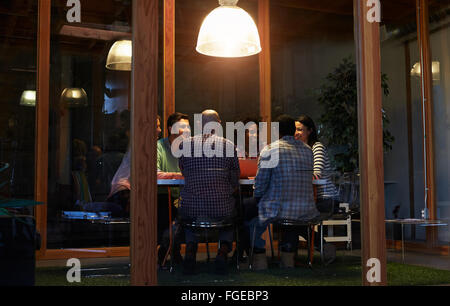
[
  {"x": 286, "y": 191},
  {"x": 322, "y": 170}
]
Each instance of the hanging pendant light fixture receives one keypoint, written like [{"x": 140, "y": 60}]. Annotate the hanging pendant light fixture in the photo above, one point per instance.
[
  {"x": 435, "y": 70},
  {"x": 119, "y": 56},
  {"x": 228, "y": 31},
  {"x": 74, "y": 97},
  {"x": 28, "y": 98}
]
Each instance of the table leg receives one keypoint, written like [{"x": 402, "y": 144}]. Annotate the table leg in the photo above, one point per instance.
[{"x": 170, "y": 231}]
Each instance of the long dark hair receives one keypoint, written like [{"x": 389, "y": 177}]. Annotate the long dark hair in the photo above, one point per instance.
[{"x": 309, "y": 123}]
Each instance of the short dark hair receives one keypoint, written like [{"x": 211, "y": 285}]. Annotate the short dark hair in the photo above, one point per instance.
[
  {"x": 287, "y": 125},
  {"x": 174, "y": 118},
  {"x": 309, "y": 123}
]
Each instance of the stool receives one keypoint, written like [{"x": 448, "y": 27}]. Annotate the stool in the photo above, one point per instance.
[{"x": 206, "y": 225}]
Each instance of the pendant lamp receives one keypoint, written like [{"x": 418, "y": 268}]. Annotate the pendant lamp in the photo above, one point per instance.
[
  {"x": 228, "y": 31},
  {"x": 435, "y": 70},
  {"x": 28, "y": 98},
  {"x": 74, "y": 97},
  {"x": 119, "y": 56}
]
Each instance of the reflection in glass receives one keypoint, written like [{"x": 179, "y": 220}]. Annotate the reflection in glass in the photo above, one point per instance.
[
  {"x": 435, "y": 69},
  {"x": 74, "y": 97},
  {"x": 18, "y": 62},
  {"x": 28, "y": 98},
  {"x": 119, "y": 56},
  {"x": 89, "y": 124}
]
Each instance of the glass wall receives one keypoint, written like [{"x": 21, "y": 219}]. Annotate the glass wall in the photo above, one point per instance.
[
  {"x": 440, "y": 46},
  {"x": 18, "y": 58},
  {"x": 228, "y": 85},
  {"x": 89, "y": 121},
  {"x": 402, "y": 105},
  {"x": 314, "y": 74}
]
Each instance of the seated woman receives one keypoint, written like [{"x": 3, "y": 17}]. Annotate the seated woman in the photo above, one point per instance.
[{"x": 327, "y": 195}]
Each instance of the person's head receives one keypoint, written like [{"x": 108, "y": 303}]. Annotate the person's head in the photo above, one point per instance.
[
  {"x": 209, "y": 116},
  {"x": 181, "y": 121},
  {"x": 251, "y": 133},
  {"x": 158, "y": 126},
  {"x": 286, "y": 125},
  {"x": 305, "y": 130}
]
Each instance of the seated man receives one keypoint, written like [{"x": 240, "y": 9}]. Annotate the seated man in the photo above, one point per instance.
[
  {"x": 120, "y": 184},
  {"x": 283, "y": 190},
  {"x": 167, "y": 166},
  {"x": 211, "y": 181}
]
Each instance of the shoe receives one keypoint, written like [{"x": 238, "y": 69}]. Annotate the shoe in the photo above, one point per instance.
[
  {"x": 287, "y": 259},
  {"x": 189, "y": 262},
  {"x": 222, "y": 260},
  {"x": 329, "y": 253},
  {"x": 259, "y": 262}
]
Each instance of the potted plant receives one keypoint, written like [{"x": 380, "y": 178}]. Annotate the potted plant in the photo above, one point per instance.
[{"x": 338, "y": 124}]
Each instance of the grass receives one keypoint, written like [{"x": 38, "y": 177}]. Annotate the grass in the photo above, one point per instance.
[{"x": 346, "y": 271}]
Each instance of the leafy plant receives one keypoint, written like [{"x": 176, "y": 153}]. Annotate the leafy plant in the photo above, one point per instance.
[{"x": 339, "y": 122}]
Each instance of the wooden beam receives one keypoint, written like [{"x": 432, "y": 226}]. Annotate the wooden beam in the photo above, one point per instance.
[
  {"x": 265, "y": 86},
  {"x": 143, "y": 171},
  {"x": 90, "y": 33},
  {"x": 169, "y": 61},
  {"x": 427, "y": 100},
  {"x": 42, "y": 120},
  {"x": 373, "y": 236},
  {"x": 331, "y": 7}
]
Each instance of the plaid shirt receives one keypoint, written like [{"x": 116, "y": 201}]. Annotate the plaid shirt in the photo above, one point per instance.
[
  {"x": 209, "y": 181},
  {"x": 286, "y": 191}
]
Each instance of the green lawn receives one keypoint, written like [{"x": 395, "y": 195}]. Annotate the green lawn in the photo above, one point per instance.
[{"x": 344, "y": 272}]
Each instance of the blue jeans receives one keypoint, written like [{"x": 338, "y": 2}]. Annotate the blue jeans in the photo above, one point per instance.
[{"x": 256, "y": 229}]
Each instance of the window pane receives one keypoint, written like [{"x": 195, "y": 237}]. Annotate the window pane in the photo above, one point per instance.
[
  {"x": 228, "y": 85},
  {"x": 402, "y": 105},
  {"x": 89, "y": 122},
  {"x": 440, "y": 46},
  {"x": 18, "y": 56}
]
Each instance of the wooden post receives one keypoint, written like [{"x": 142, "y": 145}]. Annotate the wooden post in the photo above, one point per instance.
[
  {"x": 42, "y": 120},
  {"x": 169, "y": 61},
  {"x": 427, "y": 100},
  {"x": 265, "y": 85},
  {"x": 373, "y": 236},
  {"x": 143, "y": 171}
]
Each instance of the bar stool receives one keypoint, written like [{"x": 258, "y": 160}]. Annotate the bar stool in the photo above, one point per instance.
[{"x": 211, "y": 225}]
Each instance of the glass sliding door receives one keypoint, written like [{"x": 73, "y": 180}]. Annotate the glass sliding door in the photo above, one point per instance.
[
  {"x": 402, "y": 105},
  {"x": 89, "y": 129},
  {"x": 18, "y": 62}
]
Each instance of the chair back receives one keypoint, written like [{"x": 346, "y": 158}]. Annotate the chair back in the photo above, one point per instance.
[{"x": 81, "y": 187}]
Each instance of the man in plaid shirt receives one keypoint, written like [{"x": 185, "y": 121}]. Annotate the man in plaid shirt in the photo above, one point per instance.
[
  {"x": 211, "y": 181},
  {"x": 283, "y": 190}
]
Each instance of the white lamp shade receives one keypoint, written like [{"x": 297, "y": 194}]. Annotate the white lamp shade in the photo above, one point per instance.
[
  {"x": 28, "y": 98},
  {"x": 228, "y": 31},
  {"x": 74, "y": 97},
  {"x": 119, "y": 56},
  {"x": 435, "y": 70}
]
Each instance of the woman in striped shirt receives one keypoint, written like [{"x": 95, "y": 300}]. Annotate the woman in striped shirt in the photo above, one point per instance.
[
  {"x": 306, "y": 131},
  {"x": 327, "y": 195}
]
